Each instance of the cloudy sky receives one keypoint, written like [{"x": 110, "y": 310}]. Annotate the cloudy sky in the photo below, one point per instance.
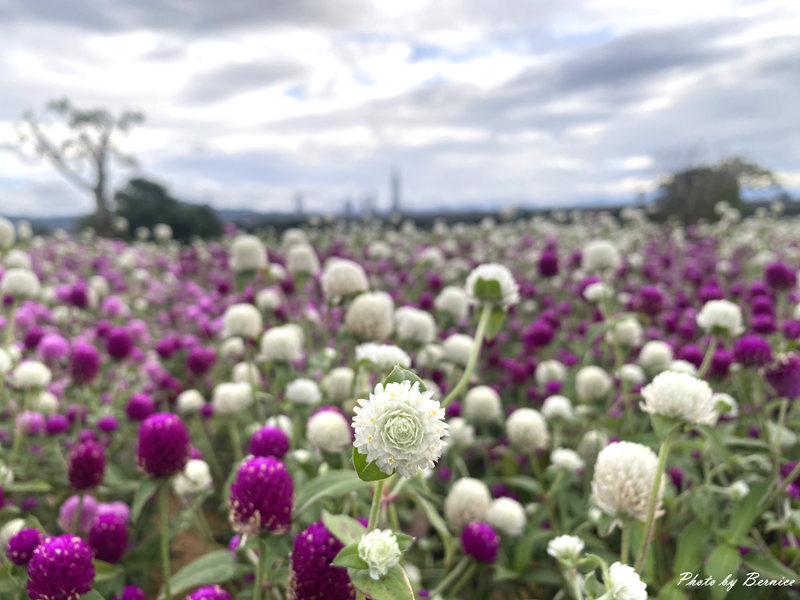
[{"x": 548, "y": 103}]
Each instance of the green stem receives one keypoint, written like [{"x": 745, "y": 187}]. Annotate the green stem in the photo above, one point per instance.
[
  {"x": 452, "y": 576},
  {"x": 473, "y": 356},
  {"x": 782, "y": 485},
  {"x": 18, "y": 433},
  {"x": 650, "y": 524},
  {"x": 10, "y": 325},
  {"x": 574, "y": 583},
  {"x": 163, "y": 506},
  {"x": 236, "y": 442},
  {"x": 76, "y": 520},
  {"x": 626, "y": 541},
  {"x": 375, "y": 509},
  {"x": 262, "y": 568},
  {"x": 712, "y": 347},
  {"x": 465, "y": 577}
]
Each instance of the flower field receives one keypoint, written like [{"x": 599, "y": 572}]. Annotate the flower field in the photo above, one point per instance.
[{"x": 566, "y": 407}]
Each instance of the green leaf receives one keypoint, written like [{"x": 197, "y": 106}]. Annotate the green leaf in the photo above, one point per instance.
[
  {"x": 104, "y": 571},
  {"x": 391, "y": 586},
  {"x": 523, "y": 552},
  {"x": 332, "y": 483},
  {"x": 399, "y": 374},
  {"x": 671, "y": 592},
  {"x": 691, "y": 547},
  {"x": 495, "y": 322},
  {"x": 367, "y": 471},
  {"x": 746, "y": 513},
  {"x": 348, "y": 557},
  {"x": 723, "y": 561},
  {"x": 93, "y": 595},
  {"x": 214, "y": 567},
  {"x": 28, "y": 487},
  {"x": 143, "y": 494},
  {"x": 437, "y": 522},
  {"x": 403, "y": 541},
  {"x": 663, "y": 425},
  {"x": 345, "y": 529},
  {"x": 712, "y": 435},
  {"x": 769, "y": 566}
]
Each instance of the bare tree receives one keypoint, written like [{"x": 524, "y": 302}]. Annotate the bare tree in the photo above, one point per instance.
[{"x": 84, "y": 150}]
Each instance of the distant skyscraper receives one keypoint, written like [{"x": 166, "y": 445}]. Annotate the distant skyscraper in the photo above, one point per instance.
[
  {"x": 394, "y": 190},
  {"x": 298, "y": 203}
]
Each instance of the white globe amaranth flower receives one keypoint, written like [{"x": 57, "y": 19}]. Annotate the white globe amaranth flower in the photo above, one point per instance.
[
  {"x": 245, "y": 372},
  {"x": 468, "y": 500},
  {"x": 7, "y": 233},
  {"x": 566, "y": 549},
  {"x": 507, "y": 516},
  {"x": 432, "y": 256},
  {"x": 232, "y": 349},
  {"x": 383, "y": 356},
  {"x": 721, "y": 317},
  {"x": 282, "y": 422},
  {"x": 120, "y": 224},
  {"x": 230, "y": 398},
  {"x": 550, "y": 370},
  {"x": 379, "y": 250},
  {"x": 492, "y": 283},
  {"x": 738, "y": 490},
  {"x": 623, "y": 480},
  {"x": 527, "y": 430},
  {"x": 462, "y": 434},
  {"x": 292, "y": 237},
  {"x": 31, "y": 374},
  {"x": 557, "y": 407},
  {"x": 429, "y": 356},
  {"x": 303, "y": 392},
  {"x": 341, "y": 278},
  {"x": 680, "y": 396},
  {"x": 194, "y": 478},
  {"x": 632, "y": 374},
  {"x": 597, "y": 292},
  {"x": 682, "y": 366},
  {"x": 17, "y": 259},
  {"x": 268, "y": 299},
  {"x": 566, "y": 459},
  {"x": 592, "y": 442},
  {"x": 592, "y": 383},
  {"x": 400, "y": 428},
  {"x": 625, "y": 583},
  {"x": 20, "y": 284},
  {"x": 6, "y": 475},
  {"x": 248, "y": 254},
  {"x": 414, "y": 325},
  {"x": 380, "y": 550},
  {"x": 282, "y": 344},
  {"x": 482, "y": 405},
  {"x": 627, "y": 332},
  {"x": 5, "y": 361},
  {"x": 329, "y": 430},
  {"x": 453, "y": 301},
  {"x": 457, "y": 348},
  {"x": 600, "y": 256},
  {"x": 276, "y": 271},
  {"x": 370, "y": 316},
  {"x": 302, "y": 260},
  {"x": 242, "y": 320},
  {"x": 44, "y": 402},
  {"x": 189, "y": 402},
  {"x": 655, "y": 355},
  {"x": 99, "y": 285},
  {"x": 338, "y": 383},
  {"x": 8, "y": 531},
  {"x": 142, "y": 233},
  {"x": 726, "y": 404},
  {"x": 162, "y": 232}
]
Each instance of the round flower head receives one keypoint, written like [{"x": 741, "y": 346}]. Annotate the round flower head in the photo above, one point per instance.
[
  {"x": 592, "y": 442},
  {"x": 21, "y": 284},
  {"x": 302, "y": 260},
  {"x": 566, "y": 549},
  {"x": 209, "y": 592},
  {"x": 242, "y": 320},
  {"x": 383, "y": 356},
  {"x": 89, "y": 510},
  {"x": 468, "y": 500},
  {"x": 482, "y": 405},
  {"x": 109, "y": 537},
  {"x": 194, "y": 478},
  {"x": 462, "y": 434},
  {"x": 343, "y": 278},
  {"x": 282, "y": 344},
  {"x": 119, "y": 343},
  {"x": 415, "y": 325},
  {"x": 248, "y": 254},
  {"x": 86, "y": 465},
  {"x": 269, "y": 441},
  {"x": 303, "y": 391},
  {"x": 480, "y": 541},
  {"x": 784, "y": 375},
  {"x": 131, "y": 592},
  {"x": 600, "y": 255},
  {"x": 189, "y": 402},
  {"x": 506, "y": 515},
  {"x": 20, "y": 547},
  {"x": 592, "y": 383},
  {"x": 329, "y": 430},
  {"x": 457, "y": 348},
  {"x": 494, "y": 284},
  {"x": 163, "y": 446},
  {"x": 632, "y": 374},
  {"x": 680, "y": 396},
  {"x": 61, "y": 569},
  {"x": 400, "y": 428},
  {"x": 655, "y": 355},
  {"x": 84, "y": 363},
  {"x": 627, "y": 332},
  {"x": 752, "y": 350},
  {"x": 550, "y": 370},
  {"x": 31, "y": 374},
  {"x": 623, "y": 480},
  {"x": 337, "y": 384},
  {"x": 380, "y": 550},
  {"x": 7, "y": 233},
  {"x": 312, "y": 577},
  {"x": 720, "y": 316},
  {"x": 527, "y": 430},
  {"x": 625, "y": 583},
  {"x": 230, "y": 398},
  {"x": 268, "y": 299},
  {"x": 261, "y": 496},
  {"x": 370, "y": 316},
  {"x": 557, "y": 407},
  {"x": 452, "y": 301},
  {"x": 566, "y": 460}
]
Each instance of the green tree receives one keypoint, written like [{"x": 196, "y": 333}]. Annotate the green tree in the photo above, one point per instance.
[
  {"x": 81, "y": 145},
  {"x": 145, "y": 203}
]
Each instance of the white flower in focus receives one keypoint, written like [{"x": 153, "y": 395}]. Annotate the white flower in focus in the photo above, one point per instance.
[
  {"x": 370, "y": 316},
  {"x": 738, "y": 490},
  {"x": 482, "y": 405},
  {"x": 379, "y": 549},
  {"x": 720, "y": 316},
  {"x": 194, "y": 478},
  {"x": 414, "y": 324},
  {"x": 7, "y": 233},
  {"x": 248, "y": 254},
  {"x": 549, "y": 370},
  {"x": 506, "y": 515},
  {"x": 557, "y": 407},
  {"x": 282, "y": 344},
  {"x": 509, "y": 290},
  {"x": 242, "y": 320},
  {"x": 189, "y": 402},
  {"x": 527, "y": 430},
  {"x": 655, "y": 355},
  {"x": 383, "y": 356},
  {"x": 453, "y": 301},
  {"x": 566, "y": 459},
  {"x": 592, "y": 383},
  {"x": 302, "y": 260},
  {"x": 400, "y": 428},
  {"x": 303, "y": 391},
  {"x": 343, "y": 278},
  {"x": 20, "y": 284},
  {"x": 338, "y": 383},
  {"x": 599, "y": 256},
  {"x": 468, "y": 500},
  {"x": 328, "y": 430},
  {"x": 680, "y": 396},
  {"x": 229, "y": 398},
  {"x": 457, "y": 348},
  {"x": 566, "y": 549},
  {"x": 31, "y": 374},
  {"x": 625, "y": 583},
  {"x": 623, "y": 480}
]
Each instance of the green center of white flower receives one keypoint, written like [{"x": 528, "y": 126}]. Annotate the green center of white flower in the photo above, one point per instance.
[{"x": 402, "y": 430}]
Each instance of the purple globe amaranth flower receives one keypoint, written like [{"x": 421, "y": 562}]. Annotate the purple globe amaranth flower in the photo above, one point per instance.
[
  {"x": 84, "y": 362},
  {"x": 548, "y": 264},
  {"x": 20, "y": 547},
  {"x": 752, "y": 351},
  {"x": 780, "y": 276},
  {"x": 86, "y": 465},
  {"x": 30, "y": 422},
  {"x": 66, "y": 514},
  {"x": 56, "y": 424},
  {"x": 269, "y": 441},
  {"x": 480, "y": 541},
  {"x": 53, "y": 348},
  {"x": 109, "y": 537},
  {"x": 140, "y": 406},
  {"x": 784, "y": 375},
  {"x": 720, "y": 363},
  {"x": 118, "y": 508},
  {"x": 163, "y": 446},
  {"x": 312, "y": 577},
  {"x": 538, "y": 333},
  {"x": 61, "y": 569},
  {"x": 200, "y": 360},
  {"x": 119, "y": 343},
  {"x": 649, "y": 300},
  {"x": 209, "y": 592},
  {"x": 763, "y": 324},
  {"x": 261, "y": 496},
  {"x": 108, "y": 424},
  {"x": 131, "y": 592}
]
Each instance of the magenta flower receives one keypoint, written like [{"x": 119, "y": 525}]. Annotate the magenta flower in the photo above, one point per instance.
[
  {"x": 61, "y": 569},
  {"x": 480, "y": 541},
  {"x": 261, "y": 496},
  {"x": 163, "y": 446},
  {"x": 312, "y": 577},
  {"x": 86, "y": 465}
]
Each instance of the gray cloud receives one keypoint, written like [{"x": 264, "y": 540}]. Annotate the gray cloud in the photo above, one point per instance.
[{"x": 235, "y": 78}]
